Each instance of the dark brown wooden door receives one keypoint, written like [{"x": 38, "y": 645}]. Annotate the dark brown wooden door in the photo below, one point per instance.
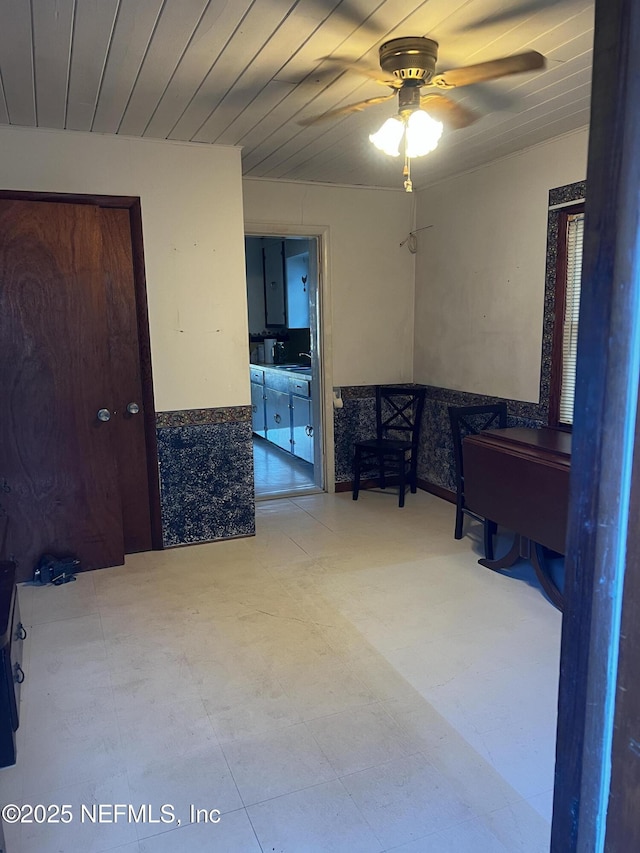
[
  {"x": 126, "y": 383},
  {"x": 66, "y": 311}
]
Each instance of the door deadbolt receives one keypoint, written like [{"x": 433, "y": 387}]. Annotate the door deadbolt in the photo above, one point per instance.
[
  {"x": 133, "y": 408},
  {"x": 104, "y": 415}
]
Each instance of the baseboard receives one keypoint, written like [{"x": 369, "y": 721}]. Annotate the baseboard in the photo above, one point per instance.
[
  {"x": 425, "y": 485},
  {"x": 347, "y": 485},
  {"x": 438, "y": 491}
]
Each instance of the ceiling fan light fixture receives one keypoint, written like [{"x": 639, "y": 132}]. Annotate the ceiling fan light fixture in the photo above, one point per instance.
[
  {"x": 388, "y": 138},
  {"x": 423, "y": 133}
]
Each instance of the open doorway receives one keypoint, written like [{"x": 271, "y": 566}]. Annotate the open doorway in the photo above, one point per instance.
[{"x": 283, "y": 288}]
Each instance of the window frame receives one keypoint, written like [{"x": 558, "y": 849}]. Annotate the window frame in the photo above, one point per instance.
[{"x": 555, "y": 387}]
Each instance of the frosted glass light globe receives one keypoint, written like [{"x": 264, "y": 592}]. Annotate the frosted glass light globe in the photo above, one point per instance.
[
  {"x": 388, "y": 138},
  {"x": 423, "y": 133}
]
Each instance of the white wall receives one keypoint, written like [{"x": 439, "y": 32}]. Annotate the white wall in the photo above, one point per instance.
[
  {"x": 480, "y": 271},
  {"x": 370, "y": 278},
  {"x": 191, "y": 200}
]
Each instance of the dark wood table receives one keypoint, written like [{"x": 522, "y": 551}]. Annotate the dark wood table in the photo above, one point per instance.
[{"x": 519, "y": 478}]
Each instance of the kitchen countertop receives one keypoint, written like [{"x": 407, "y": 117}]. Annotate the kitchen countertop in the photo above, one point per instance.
[{"x": 293, "y": 369}]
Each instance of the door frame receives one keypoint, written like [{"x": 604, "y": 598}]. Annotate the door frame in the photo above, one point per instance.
[
  {"x": 597, "y": 768},
  {"x": 324, "y": 451},
  {"x": 132, "y": 204}
]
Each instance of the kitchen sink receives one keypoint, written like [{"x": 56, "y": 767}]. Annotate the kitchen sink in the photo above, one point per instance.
[{"x": 295, "y": 368}]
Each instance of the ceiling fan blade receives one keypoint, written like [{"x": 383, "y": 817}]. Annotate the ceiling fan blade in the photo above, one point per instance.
[
  {"x": 341, "y": 111},
  {"x": 376, "y": 74},
  {"x": 516, "y": 13},
  {"x": 530, "y": 60},
  {"x": 449, "y": 112}
]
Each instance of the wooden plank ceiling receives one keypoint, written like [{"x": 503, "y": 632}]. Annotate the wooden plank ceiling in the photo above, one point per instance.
[{"x": 245, "y": 72}]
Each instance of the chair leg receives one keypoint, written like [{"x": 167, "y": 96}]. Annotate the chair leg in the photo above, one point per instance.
[
  {"x": 401, "y": 484},
  {"x": 414, "y": 472},
  {"x": 383, "y": 483},
  {"x": 356, "y": 475},
  {"x": 459, "y": 518},
  {"x": 490, "y": 528}
]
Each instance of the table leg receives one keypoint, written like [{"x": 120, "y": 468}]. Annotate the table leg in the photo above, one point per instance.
[
  {"x": 514, "y": 554},
  {"x": 547, "y": 583},
  {"x": 522, "y": 548}
]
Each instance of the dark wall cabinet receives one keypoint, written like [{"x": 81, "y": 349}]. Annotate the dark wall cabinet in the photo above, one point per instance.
[
  {"x": 274, "y": 282},
  {"x": 278, "y": 284}
]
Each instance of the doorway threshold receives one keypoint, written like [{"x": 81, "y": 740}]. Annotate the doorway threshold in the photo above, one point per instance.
[{"x": 288, "y": 493}]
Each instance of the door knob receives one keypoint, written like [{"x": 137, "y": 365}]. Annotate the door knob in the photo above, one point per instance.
[
  {"x": 104, "y": 415},
  {"x": 133, "y": 408}
]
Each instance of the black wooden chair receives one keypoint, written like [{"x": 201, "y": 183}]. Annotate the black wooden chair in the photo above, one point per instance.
[
  {"x": 393, "y": 453},
  {"x": 470, "y": 420}
]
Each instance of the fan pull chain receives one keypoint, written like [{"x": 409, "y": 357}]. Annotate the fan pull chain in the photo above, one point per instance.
[{"x": 408, "y": 183}]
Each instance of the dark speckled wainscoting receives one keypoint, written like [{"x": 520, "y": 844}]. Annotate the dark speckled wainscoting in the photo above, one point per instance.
[
  {"x": 435, "y": 461},
  {"x": 357, "y": 420},
  {"x": 206, "y": 474}
]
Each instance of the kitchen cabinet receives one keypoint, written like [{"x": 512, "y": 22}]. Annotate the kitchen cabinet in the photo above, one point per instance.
[
  {"x": 278, "y": 418},
  {"x": 301, "y": 427},
  {"x": 258, "y": 422},
  {"x": 274, "y": 282},
  {"x": 278, "y": 282},
  {"x": 297, "y": 283},
  {"x": 281, "y": 409}
]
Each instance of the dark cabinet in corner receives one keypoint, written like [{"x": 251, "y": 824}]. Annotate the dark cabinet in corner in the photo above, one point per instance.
[
  {"x": 278, "y": 283},
  {"x": 274, "y": 282},
  {"x": 12, "y": 634}
]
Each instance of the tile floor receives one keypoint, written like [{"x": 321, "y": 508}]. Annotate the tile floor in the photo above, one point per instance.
[
  {"x": 279, "y": 473},
  {"x": 348, "y": 680}
]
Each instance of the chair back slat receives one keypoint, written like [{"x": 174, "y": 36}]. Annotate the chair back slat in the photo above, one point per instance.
[
  {"x": 470, "y": 420},
  {"x": 399, "y": 412}
]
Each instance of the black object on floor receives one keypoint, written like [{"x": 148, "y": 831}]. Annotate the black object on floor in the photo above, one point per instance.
[{"x": 55, "y": 570}]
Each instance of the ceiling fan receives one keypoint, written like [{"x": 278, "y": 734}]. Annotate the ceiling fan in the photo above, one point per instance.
[{"x": 408, "y": 65}]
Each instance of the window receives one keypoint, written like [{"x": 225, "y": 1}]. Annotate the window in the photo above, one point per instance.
[{"x": 567, "y": 308}]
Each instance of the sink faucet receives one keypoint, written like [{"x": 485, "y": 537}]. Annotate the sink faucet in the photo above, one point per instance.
[{"x": 308, "y": 355}]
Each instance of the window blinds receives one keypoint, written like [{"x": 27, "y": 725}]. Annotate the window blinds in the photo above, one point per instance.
[{"x": 575, "y": 235}]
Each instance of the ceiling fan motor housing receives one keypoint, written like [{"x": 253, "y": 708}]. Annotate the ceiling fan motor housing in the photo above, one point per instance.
[
  {"x": 409, "y": 98},
  {"x": 412, "y": 58}
]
